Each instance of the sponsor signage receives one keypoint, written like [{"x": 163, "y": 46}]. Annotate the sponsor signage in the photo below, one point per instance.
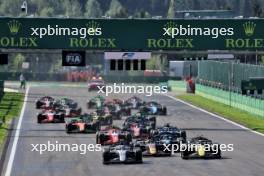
[
  {"x": 127, "y": 55},
  {"x": 73, "y": 58},
  {"x": 132, "y": 34}
]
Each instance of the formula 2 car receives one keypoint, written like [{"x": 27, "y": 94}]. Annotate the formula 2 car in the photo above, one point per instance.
[
  {"x": 96, "y": 84},
  {"x": 167, "y": 128},
  {"x": 82, "y": 124},
  {"x": 117, "y": 110},
  {"x": 112, "y": 135},
  {"x": 159, "y": 144},
  {"x": 50, "y": 116},
  {"x": 153, "y": 108},
  {"x": 95, "y": 102},
  {"x": 103, "y": 116},
  {"x": 65, "y": 102},
  {"x": 44, "y": 102},
  {"x": 122, "y": 154},
  {"x": 134, "y": 102},
  {"x": 201, "y": 147}
]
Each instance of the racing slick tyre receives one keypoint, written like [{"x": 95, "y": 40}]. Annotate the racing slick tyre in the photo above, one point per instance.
[
  {"x": 184, "y": 155},
  {"x": 164, "y": 111},
  {"x": 128, "y": 138},
  {"x": 138, "y": 156},
  {"x": 39, "y": 120},
  {"x": 106, "y": 158},
  {"x": 183, "y": 135},
  {"x": 218, "y": 154}
]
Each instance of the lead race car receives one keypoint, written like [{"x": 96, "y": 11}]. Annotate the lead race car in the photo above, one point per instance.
[
  {"x": 122, "y": 153},
  {"x": 153, "y": 108},
  {"x": 96, "y": 83},
  {"x": 201, "y": 147},
  {"x": 82, "y": 124}
]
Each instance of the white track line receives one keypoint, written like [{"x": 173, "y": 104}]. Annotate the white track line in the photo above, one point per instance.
[
  {"x": 212, "y": 114},
  {"x": 14, "y": 146}
]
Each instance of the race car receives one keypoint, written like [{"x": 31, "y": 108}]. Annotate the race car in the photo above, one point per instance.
[
  {"x": 122, "y": 153},
  {"x": 153, "y": 108},
  {"x": 50, "y": 116},
  {"x": 140, "y": 126},
  {"x": 134, "y": 102},
  {"x": 95, "y": 102},
  {"x": 96, "y": 83},
  {"x": 44, "y": 102},
  {"x": 103, "y": 116},
  {"x": 65, "y": 102},
  {"x": 117, "y": 110},
  {"x": 167, "y": 128},
  {"x": 82, "y": 124},
  {"x": 140, "y": 118},
  {"x": 112, "y": 135},
  {"x": 160, "y": 144},
  {"x": 201, "y": 147}
]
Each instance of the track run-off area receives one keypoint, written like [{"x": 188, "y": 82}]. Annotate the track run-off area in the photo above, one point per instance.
[{"x": 246, "y": 159}]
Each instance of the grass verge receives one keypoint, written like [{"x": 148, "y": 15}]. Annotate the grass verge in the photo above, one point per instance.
[
  {"x": 244, "y": 118},
  {"x": 10, "y": 107}
]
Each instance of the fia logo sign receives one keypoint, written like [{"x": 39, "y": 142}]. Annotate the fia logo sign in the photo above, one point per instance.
[{"x": 73, "y": 58}]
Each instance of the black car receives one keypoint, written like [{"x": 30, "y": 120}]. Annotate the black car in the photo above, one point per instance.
[
  {"x": 201, "y": 147},
  {"x": 160, "y": 144},
  {"x": 167, "y": 128}
]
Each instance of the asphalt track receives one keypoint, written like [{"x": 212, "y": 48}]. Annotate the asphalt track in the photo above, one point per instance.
[{"x": 247, "y": 159}]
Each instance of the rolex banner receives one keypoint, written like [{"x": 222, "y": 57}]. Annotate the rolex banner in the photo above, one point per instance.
[{"x": 132, "y": 34}]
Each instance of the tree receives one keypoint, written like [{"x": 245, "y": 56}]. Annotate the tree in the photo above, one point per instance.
[
  {"x": 257, "y": 10},
  {"x": 72, "y": 8},
  {"x": 172, "y": 9},
  {"x": 142, "y": 14},
  {"x": 93, "y": 9},
  {"x": 116, "y": 10}
]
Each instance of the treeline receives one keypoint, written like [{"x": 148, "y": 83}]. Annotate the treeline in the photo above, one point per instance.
[{"x": 126, "y": 8}]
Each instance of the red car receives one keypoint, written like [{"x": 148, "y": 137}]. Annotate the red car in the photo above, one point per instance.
[
  {"x": 96, "y": 84},
  {"x": 112, "y": 135},
  {"x": 50, "y": 116}
]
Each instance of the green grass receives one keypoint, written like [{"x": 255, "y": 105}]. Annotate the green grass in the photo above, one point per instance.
[
  {"x": 10, "y": 107},
  {"x": 244, "y": 118}
]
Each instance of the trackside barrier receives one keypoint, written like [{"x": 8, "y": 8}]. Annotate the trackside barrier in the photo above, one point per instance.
[
  {"x": 177, "y": 85},
  {"x": 1, "y": 89},
  {"x": 242, "y": 102}
]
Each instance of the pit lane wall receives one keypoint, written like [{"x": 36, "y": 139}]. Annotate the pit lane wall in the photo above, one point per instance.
[{"x": 242, "y": 102}]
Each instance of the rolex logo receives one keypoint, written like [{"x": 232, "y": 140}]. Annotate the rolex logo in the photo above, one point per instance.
[
  {"x": 14, "y": 26},
  {"x": 169, "y": 26},
  {"x": 93, "y": 24},
  {"x": 249, "y": 28}
]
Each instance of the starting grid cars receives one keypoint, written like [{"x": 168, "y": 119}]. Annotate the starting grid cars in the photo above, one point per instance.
[{"x": 138, "y": 136}]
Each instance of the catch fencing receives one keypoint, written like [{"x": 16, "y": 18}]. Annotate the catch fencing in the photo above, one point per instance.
[{"x": 242, "y": 102}]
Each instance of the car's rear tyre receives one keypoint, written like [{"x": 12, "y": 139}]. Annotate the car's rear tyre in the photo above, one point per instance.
[
  {"x": 138, "y": 154},
  {"x": 184, "y": 156}
]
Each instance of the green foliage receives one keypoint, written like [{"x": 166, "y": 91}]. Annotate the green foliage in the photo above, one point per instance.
[
  {"x": 93, "y": 9},
  {"x": 125, "y": 8},
  {"x": 16, "y": 63},
  {"x": 172, "y": 9},
  {"x": 16, "y": 101},
  {"x": 116, "y": 10},
  {"x": 251, "y": 121}
]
